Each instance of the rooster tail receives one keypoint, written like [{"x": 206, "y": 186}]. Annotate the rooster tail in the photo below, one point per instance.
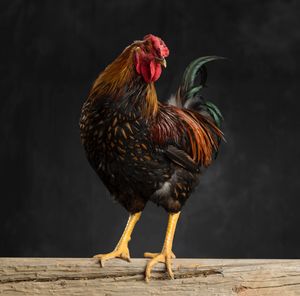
[
  {"x": 188, "y": 94},
  {"x": 188, "y": 97}
]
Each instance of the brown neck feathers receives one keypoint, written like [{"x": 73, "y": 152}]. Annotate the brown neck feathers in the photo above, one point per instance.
[{"x": 120, "y": 76}]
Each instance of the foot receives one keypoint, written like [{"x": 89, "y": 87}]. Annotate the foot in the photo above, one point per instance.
[
  {"x": 121, "y": 252},
  {"x": 164, "y": 257}
]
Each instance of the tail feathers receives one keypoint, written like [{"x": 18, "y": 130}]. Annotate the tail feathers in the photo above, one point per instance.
[{"x": 188, "y": 95}]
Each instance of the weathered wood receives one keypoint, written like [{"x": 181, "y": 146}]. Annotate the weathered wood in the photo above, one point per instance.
[{"x": 51, "y": 276}]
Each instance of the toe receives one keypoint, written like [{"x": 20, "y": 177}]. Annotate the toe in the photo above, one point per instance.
[
  {"x": 150, "y": 255},
  {"x": 122, "y": 253},
  {"x": 100, "y": 259},
  {"x": 169, "y": 267},
  {"x": 98, "y": 256},
  {"x": 148, "y": 273},
  {"x": 156, "y": 258},
  {"x": 103, "y": 257},
  {"x": 125, "y": 255},
  {"x": 149, "y": 267}
]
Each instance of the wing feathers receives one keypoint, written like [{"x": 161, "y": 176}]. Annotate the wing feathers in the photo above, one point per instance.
[{"x": 181, "y": 158}]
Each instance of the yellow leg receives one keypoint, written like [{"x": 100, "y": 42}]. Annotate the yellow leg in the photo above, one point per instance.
[
  {"x": 166, "y": 253},
  {"x": 121, "y": 250}
]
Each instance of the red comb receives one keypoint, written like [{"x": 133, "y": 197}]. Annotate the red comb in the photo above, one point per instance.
[{"x": 158, "y": 44}]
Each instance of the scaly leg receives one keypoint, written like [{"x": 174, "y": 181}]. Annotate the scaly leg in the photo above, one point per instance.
[
  {"x": 166, "y": 253},
  {"x": 121, "y": 250}
]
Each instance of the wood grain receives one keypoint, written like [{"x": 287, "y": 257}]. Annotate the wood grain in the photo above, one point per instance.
[{"x": 63, "y": 276}]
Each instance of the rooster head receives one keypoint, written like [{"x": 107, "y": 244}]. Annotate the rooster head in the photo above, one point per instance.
[{"x": 149, "y": 57}]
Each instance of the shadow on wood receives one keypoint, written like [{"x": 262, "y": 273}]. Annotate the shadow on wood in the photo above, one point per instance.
[{"x": 63, "y": 276}]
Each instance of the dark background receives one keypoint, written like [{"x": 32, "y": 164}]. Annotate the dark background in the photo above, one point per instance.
[{"x": 52, "y": 203}]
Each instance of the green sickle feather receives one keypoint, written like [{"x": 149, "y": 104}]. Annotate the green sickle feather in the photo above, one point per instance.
[
  {"x": 189, "y": 90},
  {"x": 214, "y": 112},
  {"x": 193, "y": 69}
]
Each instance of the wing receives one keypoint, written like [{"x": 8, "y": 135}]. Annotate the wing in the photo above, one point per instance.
[{"x": 182, "y": 159}]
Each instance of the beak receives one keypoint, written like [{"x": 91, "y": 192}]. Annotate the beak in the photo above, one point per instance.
[{"x": 163, "y": 62}]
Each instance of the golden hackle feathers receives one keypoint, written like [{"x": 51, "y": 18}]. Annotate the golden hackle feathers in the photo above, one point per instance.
[
  {"x": 151, "y": 106},
  {"x": 115, "y": 75},
  {"x": 121, "y": 76}
]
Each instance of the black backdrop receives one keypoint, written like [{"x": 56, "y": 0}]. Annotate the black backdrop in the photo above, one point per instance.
[{"x": 52, "y": 203}]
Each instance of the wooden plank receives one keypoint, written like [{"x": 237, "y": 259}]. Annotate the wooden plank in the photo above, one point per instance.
[{"x": 52, "y": 276}]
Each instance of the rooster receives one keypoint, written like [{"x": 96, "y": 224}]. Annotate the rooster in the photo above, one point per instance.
[{"x": 142, "y": 149}]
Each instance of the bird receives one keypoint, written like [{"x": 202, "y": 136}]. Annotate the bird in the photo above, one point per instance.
[{"x": 144, "y": 149}]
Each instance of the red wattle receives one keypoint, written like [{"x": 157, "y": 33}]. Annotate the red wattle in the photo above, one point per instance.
[
  {"x": 150, "y": 71},
  {"x": 157, "y": 72},
  {"x": 146, "y": 73}
]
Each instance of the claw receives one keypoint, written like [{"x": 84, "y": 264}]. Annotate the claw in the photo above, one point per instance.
[
  {"x": 166, "y": 254},
  {"x": 169, "y": 267},
  {"x": 163, "y": 257},
  {"x": 121, "y": 252}
]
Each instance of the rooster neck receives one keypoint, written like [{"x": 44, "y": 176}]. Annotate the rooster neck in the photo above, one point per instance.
[
  {"x": 139, "y": 97},
  {"x": 151, "y": 107},
  {"x": 125, "y": 88},
  {"x": 136, "y": 98}
]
